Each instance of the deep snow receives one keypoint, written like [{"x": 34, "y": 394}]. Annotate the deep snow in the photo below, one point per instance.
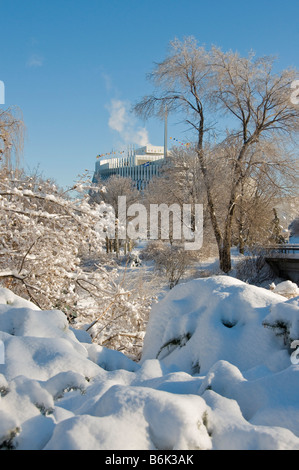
[{"x": 216, "y": 373}]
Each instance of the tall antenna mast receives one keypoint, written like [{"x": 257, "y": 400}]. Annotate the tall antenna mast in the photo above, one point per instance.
[{"x": 165, "y": 132}]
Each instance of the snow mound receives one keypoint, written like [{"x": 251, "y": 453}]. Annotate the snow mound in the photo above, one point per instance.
[
  {"x": 59, "y": 391},
  {"x": 211, "y": 319},
  {"x": 286, "y": 288}
]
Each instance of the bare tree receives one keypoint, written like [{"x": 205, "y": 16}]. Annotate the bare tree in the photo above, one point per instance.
[
  {"x": 180, "y": 182},
  {"x": 205, "y": 85},
  {"x": 51, "y": 254},
  {"x": 171, "y": 260},
  {"x": 11, "y": 137},
  {"x": 109, "y": 193}
]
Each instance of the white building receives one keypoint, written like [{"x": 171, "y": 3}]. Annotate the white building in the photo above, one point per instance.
[{"x": 140, "y": 165}]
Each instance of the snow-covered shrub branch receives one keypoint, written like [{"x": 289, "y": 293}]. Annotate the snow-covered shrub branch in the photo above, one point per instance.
[{"x": 46, "y": 240}]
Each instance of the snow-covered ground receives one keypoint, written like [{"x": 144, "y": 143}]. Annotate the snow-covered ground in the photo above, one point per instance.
[{"x": 217, "y": 372}]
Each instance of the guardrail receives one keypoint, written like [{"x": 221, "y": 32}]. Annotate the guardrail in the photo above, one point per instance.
[{"x": 286, "y": 249}]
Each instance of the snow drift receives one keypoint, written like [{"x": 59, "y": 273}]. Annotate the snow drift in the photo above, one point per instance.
[
  {"x": 216, "y": 373},
  {"x": 211, "y": 319}
]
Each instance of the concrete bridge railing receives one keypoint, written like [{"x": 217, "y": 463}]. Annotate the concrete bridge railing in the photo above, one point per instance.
[{"x": 284, "y": 260}]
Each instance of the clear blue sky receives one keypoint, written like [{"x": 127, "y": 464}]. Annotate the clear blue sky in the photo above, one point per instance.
[{"x": 74, "y": 67}]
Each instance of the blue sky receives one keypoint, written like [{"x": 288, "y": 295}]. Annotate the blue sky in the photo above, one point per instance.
[{"x": 75, "y": 67}]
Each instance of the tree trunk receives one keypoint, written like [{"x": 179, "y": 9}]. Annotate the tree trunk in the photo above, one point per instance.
[
  {"x": 241, "y": 221},
  {"x": 241, "y": 242},
  {"x": 225, "y": 257},
  {"x": 116, "y": 240}
]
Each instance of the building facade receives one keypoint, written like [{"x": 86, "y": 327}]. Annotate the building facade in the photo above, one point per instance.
[{"x": 141, "y": 165}]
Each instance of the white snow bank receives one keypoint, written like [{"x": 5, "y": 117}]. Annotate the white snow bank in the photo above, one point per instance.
[
  {"x": 284, "y": 319},
  {"x": 136, "y": 418},
  {"x": 231, "y": 431},
  {"x": 60, "y": 391},
  {"x": 286, "y": 288},
  {"x": 205, "y": 320}
]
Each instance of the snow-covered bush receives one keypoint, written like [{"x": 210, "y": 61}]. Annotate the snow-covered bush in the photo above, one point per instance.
[
  {"x": 170, "y": 260},
  {"x": 216, "y": 318},
  {"x": 43, "y": 237},
  {"x": 284, "y": 321},
  {"x": 47, "y": 243},
  {"x": 254, "y": 269},
  {"x": 288, "y": 289},
  {"x": 58, "y": 391}
]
